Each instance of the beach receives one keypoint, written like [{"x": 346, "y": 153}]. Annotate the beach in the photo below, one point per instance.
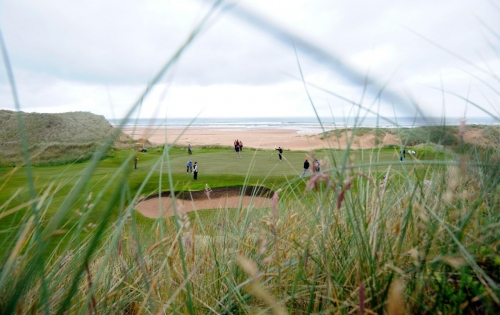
[
  {"x": 290, "y": 133},
  {"x": 288, "y": 139}
]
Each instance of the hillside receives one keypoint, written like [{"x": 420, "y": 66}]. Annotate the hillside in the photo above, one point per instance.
[
  {"x": 52, "y": 138},
  {"x": 477, "y": 135}
]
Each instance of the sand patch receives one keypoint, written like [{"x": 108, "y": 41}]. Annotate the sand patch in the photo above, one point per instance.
[
  {"x": 151, "y": 208},
  {"x": 365, "y": 141},
  {"x": 475, "y": 136},
  {"x": 221, "y": 198}
]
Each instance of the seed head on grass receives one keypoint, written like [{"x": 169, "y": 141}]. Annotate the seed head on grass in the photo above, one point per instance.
[
  {"x": 274, "y": 223},
  {"x": 93, "y": 305},
  {"x": 275, "y": 202},
  {"x": 66, "y": 259},
  {"x": 261, "y": 244},
  {"x": 361, "y": 298},
  {"x": 347, "y": 186},
  {"x": 255, "y": 287},
  {"x": 185, "y": 226},
  {"x": 461, "y": 128},
  {"x": 315, "y": 179},
  {"x": 120, "y": 246},
  {"x": 208, "y": 190},
  {"x": 395, "y": 300},
  {"x": 267, "y": 260}
]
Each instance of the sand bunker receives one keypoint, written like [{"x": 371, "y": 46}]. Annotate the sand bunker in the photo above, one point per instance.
[{"x": 220, "y": 198}]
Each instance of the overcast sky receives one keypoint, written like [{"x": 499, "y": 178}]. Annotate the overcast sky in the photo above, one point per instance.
[{"x": 99, "y": 56}]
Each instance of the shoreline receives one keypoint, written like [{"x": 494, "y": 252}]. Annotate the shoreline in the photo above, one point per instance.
[{"x": 286, "y": 138}]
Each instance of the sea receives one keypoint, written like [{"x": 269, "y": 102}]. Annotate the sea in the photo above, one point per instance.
[{"x": 301, "y": 124}]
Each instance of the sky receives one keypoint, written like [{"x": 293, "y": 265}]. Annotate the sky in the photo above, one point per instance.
[{"x": 261, "y": 58}]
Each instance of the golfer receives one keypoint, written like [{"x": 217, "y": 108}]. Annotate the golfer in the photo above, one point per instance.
[
  {"x": 280, "y": 153},
  {"x": 237, "y": 148},
  {"x": 195, "y": 171}
]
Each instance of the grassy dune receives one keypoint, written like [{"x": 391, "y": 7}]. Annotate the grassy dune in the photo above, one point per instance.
[
  {"x": 53, "y": 139},
  {"x": 442, "y": 135}
]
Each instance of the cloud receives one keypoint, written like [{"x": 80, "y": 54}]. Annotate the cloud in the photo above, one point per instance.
[{"x": 98, "y": 56}]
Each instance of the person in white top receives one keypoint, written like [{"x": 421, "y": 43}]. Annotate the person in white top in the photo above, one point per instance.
[{"x": 195, "y": 171}]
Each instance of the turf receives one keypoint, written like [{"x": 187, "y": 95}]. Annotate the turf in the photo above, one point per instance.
[{"x": 218, "y": 167}]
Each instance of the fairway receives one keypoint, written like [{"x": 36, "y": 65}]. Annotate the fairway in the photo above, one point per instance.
[{"x": 218, "y": 167}]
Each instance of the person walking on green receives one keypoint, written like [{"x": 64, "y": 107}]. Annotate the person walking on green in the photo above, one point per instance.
[{"x": 306, "y": 168}]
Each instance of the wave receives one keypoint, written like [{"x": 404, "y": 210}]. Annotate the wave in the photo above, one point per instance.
[{"x": 300, "y": 123}]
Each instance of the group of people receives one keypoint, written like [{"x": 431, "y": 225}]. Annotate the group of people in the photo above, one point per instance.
[
  {"x": 306, "y": 167},
  {"x": 402, "y": 154},
  {"x": 306, "y": 162},
  {"x": 192, "y": 168},
  {"x": 238, "y": 147}
]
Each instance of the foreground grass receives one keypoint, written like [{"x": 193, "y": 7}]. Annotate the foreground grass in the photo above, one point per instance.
[{"x": 367, "y": 234}]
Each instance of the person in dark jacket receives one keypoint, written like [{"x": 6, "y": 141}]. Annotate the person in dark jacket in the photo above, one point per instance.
[
  {"x": 280, "y": 152},
  {"x": 237, "y": 148},
  {"x": 306, "y": 168}
]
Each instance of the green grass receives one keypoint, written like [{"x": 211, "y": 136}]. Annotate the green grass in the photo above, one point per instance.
[
  {"x": 420, "y": 227},
  {"x": 219, "y": 167}
]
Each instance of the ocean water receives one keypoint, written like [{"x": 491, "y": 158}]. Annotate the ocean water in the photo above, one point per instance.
[{"x": 302, "y": 124}]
